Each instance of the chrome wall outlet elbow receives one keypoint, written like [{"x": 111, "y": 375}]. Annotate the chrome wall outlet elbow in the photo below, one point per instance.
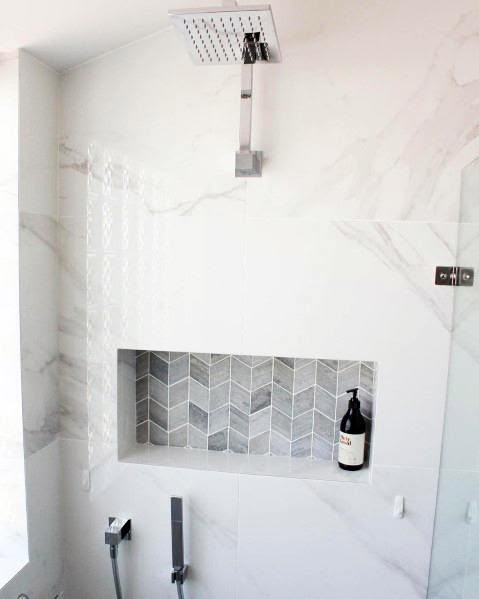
[{"x": 117, "y": 531}]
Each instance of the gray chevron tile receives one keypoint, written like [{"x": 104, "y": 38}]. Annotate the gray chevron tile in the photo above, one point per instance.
[
  {"x": 324, "y": 427},
  {"x": 178, "y": 393},
  {"x": 240, "y": 373},
  {"x": 174, "y": 355},
  {"x": 262, "y": 374},
  {"x": 301, "y": 448},
  {"x": 158, "y": 435},
  {"x": 218, "y": 441},
  {"x": 304, "y": 377},
  {"x": 282, "y": 399},
  {"x": 288, "y": 361},
  {"x": 279, "y": 445},
  {"x": 178, "y": 416},
  {"x": 178, "y": 369},
  {"x": 260, "y": 445},
  {"x": 245, "y": 403},
  {"x": 300, "y": 362},
  {"x": 199, "y": 395},
  {"x": 302, "y": 425},
  {"x": 159, "y": 368},
  {"x": 198, "y": 418},
  {"x": 237, "y": 443},
  {"x": 326, "y": 378},
  {"x": 220, "y": 372},
  {"x": 142, "y": 388},
  {"x": 247, "y": 360},
  {"x": 303, "y": 402},
  {"x": 239, "y": 421},
  {"x": 349, "y": 378},
  {"x": 366, "y": 378},
  {"x": 322, "y": 450},
  {"x": 143, "y": 433},
  {"x": 158, "y": 414},
  {"x": 219, "y": 419},
  {"x": 260, "y": 422},
  {"x": 281, "y": 424},
  {"x": 179, "y": 437},
  {"x": 283, "y": 375},
  {"x": 261, "y": 398},
  {"x": 142, "y": 411},
  {"x": 240, "y": 398},
  {"x": 325, "y": 402},
  {"x": 196, "y": 439},
  {"x": 219, "y": 396},
  {"x": 199, "y": 371},
  {"x": 142, "y": 365}
]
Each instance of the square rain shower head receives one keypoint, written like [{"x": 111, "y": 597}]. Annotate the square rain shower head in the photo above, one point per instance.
[{"x": 217, "y": 35}]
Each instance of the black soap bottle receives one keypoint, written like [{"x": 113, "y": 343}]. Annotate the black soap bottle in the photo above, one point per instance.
[{"x": 352, "y": 435}]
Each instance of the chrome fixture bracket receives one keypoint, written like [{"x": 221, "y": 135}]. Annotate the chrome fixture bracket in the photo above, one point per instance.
[
  {"x": 455, "y": 276},
  {"x": 118, "y": 530}
]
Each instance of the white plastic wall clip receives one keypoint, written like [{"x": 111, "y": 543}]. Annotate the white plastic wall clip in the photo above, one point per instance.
[
  {"x": 399, "y": 508},
  {"x": 471, "y": 512}
]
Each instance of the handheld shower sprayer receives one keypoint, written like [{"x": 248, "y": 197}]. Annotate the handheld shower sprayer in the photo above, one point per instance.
[
  {"x": 178, "y": 575},
  {"x": 117, "y": 531}
]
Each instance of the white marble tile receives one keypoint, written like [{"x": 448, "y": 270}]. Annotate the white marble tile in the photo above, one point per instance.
[
  {"x": 359, "y": 289},
  {"x": 210, "y": 512},
  {"x": 41, "y": 576},
  {"x": 346, "y": 148},
  {"x": 72, "y": 327},
  {"x": 38, "y": 111},
  {"x": 13, "y": 527},
  {"x": 39, "y": 329},
  {"x": 300, "y": 538}
]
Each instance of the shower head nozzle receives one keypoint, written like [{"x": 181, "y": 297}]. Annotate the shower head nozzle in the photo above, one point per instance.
[{"x": 229, "y": 35}]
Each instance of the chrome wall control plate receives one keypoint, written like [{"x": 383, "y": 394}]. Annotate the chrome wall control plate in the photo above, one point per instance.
[{"x": 455, "y": 276}]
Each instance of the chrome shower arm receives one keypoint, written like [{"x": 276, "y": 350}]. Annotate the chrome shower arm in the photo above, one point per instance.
[{"x": 246, "y": 107}]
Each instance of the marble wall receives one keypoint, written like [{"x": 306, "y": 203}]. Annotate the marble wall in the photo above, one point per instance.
[
  {"x": 36, "y": 132},
  {"x": 13, "y": 526},
  {"x": 366, "y": 127}
]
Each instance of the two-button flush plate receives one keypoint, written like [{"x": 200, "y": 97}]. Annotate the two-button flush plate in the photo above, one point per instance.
[{"x": 456, "y": 276}]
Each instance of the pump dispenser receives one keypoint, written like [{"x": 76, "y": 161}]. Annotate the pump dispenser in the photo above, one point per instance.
[{"x": 352, "y": 435}]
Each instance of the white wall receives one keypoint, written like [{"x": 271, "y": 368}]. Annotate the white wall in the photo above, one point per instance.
[
  {"x": 13, "y": 526},
  {"x": 36, "y": 134},
  {"x": 366, "y": 126}
]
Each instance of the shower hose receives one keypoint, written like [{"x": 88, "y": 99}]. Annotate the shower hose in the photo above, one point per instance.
[
  {"x": 116, "y": 574},
  {"x": 179, "y": 588}
]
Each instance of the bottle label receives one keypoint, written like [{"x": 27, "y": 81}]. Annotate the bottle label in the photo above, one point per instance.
[{"x": 351, "y": 449}]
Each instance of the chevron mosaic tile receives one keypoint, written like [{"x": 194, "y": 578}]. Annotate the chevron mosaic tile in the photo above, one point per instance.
[{"x": 261, "y": 405}]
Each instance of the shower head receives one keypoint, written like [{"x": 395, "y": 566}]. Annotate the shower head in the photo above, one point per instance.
[
  {"x": 229, "y": 35},
  {"x": 233, "y": 35}
]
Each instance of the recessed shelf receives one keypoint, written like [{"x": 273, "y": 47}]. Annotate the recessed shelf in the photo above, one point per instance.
[{"x": 196, "y": 459}]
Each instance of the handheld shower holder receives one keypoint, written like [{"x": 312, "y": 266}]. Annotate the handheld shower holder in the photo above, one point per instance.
[{"x": 179, "y": 575}]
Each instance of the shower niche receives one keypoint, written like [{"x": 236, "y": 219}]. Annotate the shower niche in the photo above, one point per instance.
[{"x": 255, "y": 407}]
